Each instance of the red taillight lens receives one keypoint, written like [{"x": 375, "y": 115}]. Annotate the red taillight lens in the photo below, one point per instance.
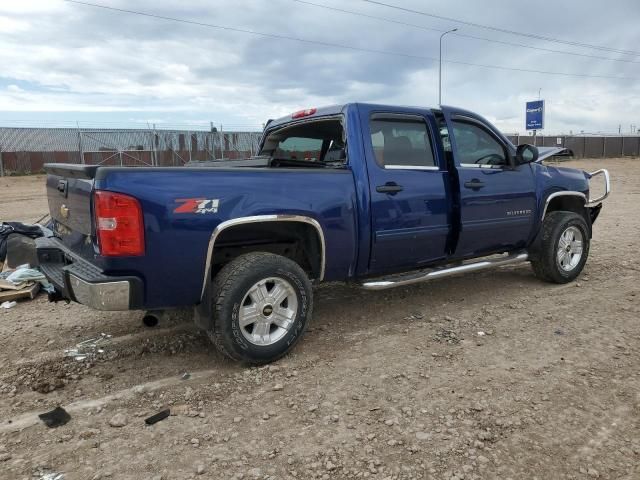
[
  {"x": 304, "y": 113},
  {"x": 119, "y": 224}
]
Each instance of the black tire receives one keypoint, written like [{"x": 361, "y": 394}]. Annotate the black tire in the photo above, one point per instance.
[
  {"x": 545, "y": 262},
  {"x": 231, "y": 287}
]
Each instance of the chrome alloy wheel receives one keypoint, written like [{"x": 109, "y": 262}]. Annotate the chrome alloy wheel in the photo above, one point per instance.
[
  {"x": 268, "y": 311},
  {"x": 569, "y": 251}
]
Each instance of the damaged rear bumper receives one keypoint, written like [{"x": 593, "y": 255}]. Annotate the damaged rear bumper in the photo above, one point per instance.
[{"x": 80, "y": 281}]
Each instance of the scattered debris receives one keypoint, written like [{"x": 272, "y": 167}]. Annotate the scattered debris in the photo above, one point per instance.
[
  {"x": 559, "y": 332},
  {"x": 185, "y": 376},
  {"x": 481, "y": 334},
  {"x": 55, "y": 418},
  {"x": 29, "y": 291},
  {"x": 88, "y": 348},
  {"x": 8, "y": 305},
  {"x": 158, "y": 417},
  {"x": 24, "y": 274},
  {"x": 52, "y": 476},
  {"x": 16, "y": 229}
]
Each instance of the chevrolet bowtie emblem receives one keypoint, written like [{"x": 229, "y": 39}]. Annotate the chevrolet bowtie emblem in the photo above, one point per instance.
[{"x": 64, "y": 211}]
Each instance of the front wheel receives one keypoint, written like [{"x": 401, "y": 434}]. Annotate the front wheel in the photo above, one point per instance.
[
  {"x": 262, "y": 304},
  {"x": 564, "y": 247}
]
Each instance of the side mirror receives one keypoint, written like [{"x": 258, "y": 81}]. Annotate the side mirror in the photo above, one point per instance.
[{"x": 526, "y": 153}]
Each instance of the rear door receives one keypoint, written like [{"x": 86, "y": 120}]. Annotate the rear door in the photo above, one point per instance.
[
  {"x": 497, "y": 197},
  {"x": 408, "y": 189}
]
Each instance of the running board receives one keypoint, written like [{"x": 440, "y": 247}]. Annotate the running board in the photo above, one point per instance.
[{"x": 409, "y": 279}]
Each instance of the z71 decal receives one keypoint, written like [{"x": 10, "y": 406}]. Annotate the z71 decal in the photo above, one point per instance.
[{"x": 197, "y": 205}]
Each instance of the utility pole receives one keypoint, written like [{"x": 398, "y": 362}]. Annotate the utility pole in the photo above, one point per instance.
[{"x": 440, "y": 67}]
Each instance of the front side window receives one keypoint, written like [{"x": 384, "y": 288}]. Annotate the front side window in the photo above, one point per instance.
[
  {"x": 476, "y": 146},
  {"x": 401, "y": 143}
]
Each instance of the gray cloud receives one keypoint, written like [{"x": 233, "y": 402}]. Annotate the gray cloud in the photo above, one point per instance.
[{"x": 66, "y": 58}]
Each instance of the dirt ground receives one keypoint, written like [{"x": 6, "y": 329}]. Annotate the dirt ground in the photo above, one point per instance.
[{"x": 391, "y": 385}]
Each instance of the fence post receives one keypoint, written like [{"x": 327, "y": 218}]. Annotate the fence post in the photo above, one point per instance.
[
  {"x": 154, "y": 158},
  {"x": 1, "y": 164},
  {"x": 604, "y": 146},
  {"x": 190, "y": 144},
  {"x": 213, "y": 142},
  {"x": 80, "y": 145},
  {"x": 221, "y": 143}
]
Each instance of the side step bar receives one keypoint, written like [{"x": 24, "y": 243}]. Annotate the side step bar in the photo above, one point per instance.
[{"x": 409, "y": 279}]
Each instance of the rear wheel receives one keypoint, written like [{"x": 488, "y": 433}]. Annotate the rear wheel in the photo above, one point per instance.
[
  {"x": 262, "y": 304},
  {"x": 564, "y": 247}
]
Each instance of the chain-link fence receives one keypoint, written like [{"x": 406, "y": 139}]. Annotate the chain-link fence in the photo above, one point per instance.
[
  {"x": 26, "y": 150},
  {"x": 586, "y": 146}
]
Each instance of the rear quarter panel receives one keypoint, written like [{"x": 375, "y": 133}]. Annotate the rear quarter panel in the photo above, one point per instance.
[{"x": 173, "y": 267}]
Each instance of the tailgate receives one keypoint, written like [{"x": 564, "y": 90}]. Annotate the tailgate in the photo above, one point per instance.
[{"x": 69, "y": 190}]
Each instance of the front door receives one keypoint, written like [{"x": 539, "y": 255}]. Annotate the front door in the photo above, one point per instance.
[
  {"x": 409, "y": 189},
  {"x": 497, "y": 197}
]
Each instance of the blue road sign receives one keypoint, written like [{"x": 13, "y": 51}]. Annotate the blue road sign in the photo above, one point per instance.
[{"x": 535, "y": 115}]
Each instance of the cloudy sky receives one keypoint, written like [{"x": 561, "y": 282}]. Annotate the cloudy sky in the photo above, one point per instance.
[{"x": 64, "y": 62}]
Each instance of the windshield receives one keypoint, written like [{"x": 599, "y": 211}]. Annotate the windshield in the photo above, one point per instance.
[{"x": 313, "y": 144}]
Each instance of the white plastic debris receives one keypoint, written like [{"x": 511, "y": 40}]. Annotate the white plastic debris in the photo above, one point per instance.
[
  {"x": 8, "y": 305},
  {"x": 52, "y": 476},
  {"x": 481, "y": 334},
  {"x": 88, "y": 348}
]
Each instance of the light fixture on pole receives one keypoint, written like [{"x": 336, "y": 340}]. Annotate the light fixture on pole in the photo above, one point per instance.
[{"x": 440, "y": 69}]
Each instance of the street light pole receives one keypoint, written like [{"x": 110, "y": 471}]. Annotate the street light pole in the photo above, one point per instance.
[{"x": 440, "y": 68}]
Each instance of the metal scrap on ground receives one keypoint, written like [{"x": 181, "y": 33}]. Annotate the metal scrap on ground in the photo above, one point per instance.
[
  {"x": 88, "y": 348},
  {"x": 52, "y": 476}
]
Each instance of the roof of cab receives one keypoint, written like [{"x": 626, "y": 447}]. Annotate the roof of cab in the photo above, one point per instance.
[
  {"x": 320, "y": 112},
  {"x": 337, "y": 109}
]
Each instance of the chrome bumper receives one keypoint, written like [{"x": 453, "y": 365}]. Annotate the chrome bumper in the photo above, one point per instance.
[
  {"x": 607, "y": 187},
  {"x": 101, "y": 296}
]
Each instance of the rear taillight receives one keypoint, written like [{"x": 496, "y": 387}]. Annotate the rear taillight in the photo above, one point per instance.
[{"x": 119, "y": 224}]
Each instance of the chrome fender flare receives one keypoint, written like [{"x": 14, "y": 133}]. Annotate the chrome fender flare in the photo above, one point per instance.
[{"x": 260, "y": 219}]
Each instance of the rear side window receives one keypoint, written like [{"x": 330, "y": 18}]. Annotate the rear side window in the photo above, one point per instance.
[
  {"x": 401, "y": 143},
  {"x": 313, "y": 144},
  {"x": 300, "y": 148}
]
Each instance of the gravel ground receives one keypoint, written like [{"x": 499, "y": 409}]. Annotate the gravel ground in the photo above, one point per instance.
[{"x": 391, "y": 385}]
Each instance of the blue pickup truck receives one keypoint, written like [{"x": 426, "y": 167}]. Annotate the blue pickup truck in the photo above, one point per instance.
[{"x": 379, "y": 195}]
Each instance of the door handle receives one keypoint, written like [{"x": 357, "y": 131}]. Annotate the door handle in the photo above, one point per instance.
[
  {"x": 474, "y": 184},
  {"x": 390, "y": 187},
  {"x": 62, "y": 187}
]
